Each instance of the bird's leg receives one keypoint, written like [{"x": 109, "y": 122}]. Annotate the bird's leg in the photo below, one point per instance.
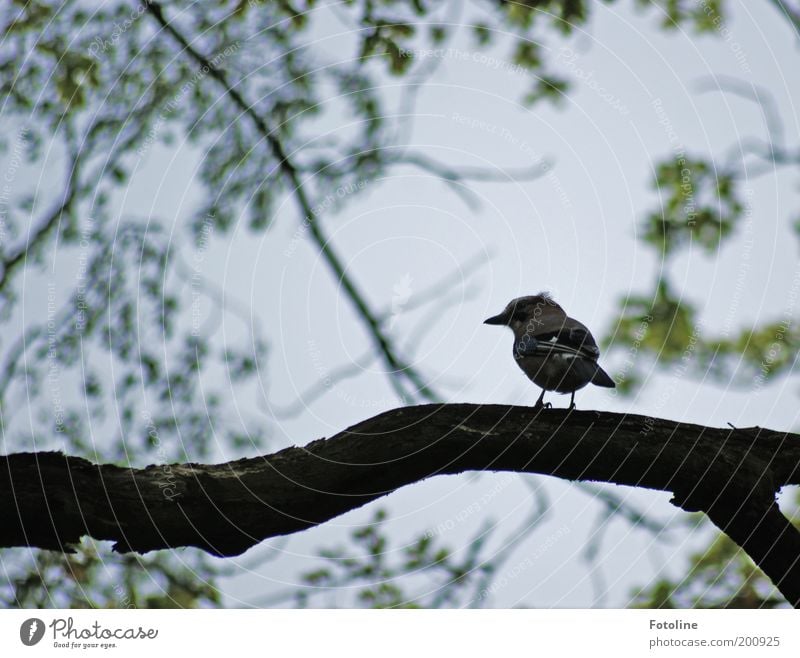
[
  {"x": 572, "y": 401},
  {"x": 541, "y": 404}
]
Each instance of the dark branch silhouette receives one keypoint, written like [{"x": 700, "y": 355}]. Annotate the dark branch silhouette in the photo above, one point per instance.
[{"x": 50, "y": 500}]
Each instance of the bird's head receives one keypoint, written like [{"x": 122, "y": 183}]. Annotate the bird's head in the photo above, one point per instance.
[{"x": 522, "y": 311}]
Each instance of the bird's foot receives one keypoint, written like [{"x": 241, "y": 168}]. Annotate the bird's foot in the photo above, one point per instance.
[{"x": 541, "y": 404}]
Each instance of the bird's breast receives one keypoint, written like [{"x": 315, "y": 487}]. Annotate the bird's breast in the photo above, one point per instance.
[{"x": 563, "y": 373}]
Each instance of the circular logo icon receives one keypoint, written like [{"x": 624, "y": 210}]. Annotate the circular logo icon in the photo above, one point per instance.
[{"x": 31, "y": 631}]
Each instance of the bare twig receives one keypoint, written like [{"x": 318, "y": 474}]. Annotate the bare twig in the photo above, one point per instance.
[
  {"x": 771, "y": 150},
  {"x": 432, "y": 294},
  {"x": 792, "y": 14},
  {"x": 539, "y": 511},
  {"x": 323, "y": 386},
  {"x": 16, "y": 257},
  {"x": 457, "y": 177}
]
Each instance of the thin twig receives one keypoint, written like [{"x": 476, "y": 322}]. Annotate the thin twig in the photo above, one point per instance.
[
  {"x": 792, "y": 14},
  {"x": 769, "y": 150},
  {"x": 433, "y": 293}
]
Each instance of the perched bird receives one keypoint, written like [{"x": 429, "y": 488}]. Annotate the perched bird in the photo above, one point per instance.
[{"x": 555, "y": 351}]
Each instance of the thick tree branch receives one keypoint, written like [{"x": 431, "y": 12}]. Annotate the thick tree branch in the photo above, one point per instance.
[{"x": 50, "y": 500}]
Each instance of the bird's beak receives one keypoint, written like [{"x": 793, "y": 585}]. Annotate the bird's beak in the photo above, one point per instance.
[{"x": 497, "y": 319}]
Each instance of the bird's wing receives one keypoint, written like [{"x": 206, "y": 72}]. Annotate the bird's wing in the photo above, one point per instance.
[{"x": 575, "y": 341}]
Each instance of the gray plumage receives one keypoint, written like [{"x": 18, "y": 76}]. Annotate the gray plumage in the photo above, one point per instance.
[{"x": 555, "y": 351}]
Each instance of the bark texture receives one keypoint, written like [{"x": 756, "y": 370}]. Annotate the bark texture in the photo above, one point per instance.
[{"x": 49, "y": 500}]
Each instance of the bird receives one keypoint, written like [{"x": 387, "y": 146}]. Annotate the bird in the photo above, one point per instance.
[{"x": 555, "y": 351}]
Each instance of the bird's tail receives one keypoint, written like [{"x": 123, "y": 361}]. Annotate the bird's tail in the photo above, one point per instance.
[{"x": 601, "y": 378}]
